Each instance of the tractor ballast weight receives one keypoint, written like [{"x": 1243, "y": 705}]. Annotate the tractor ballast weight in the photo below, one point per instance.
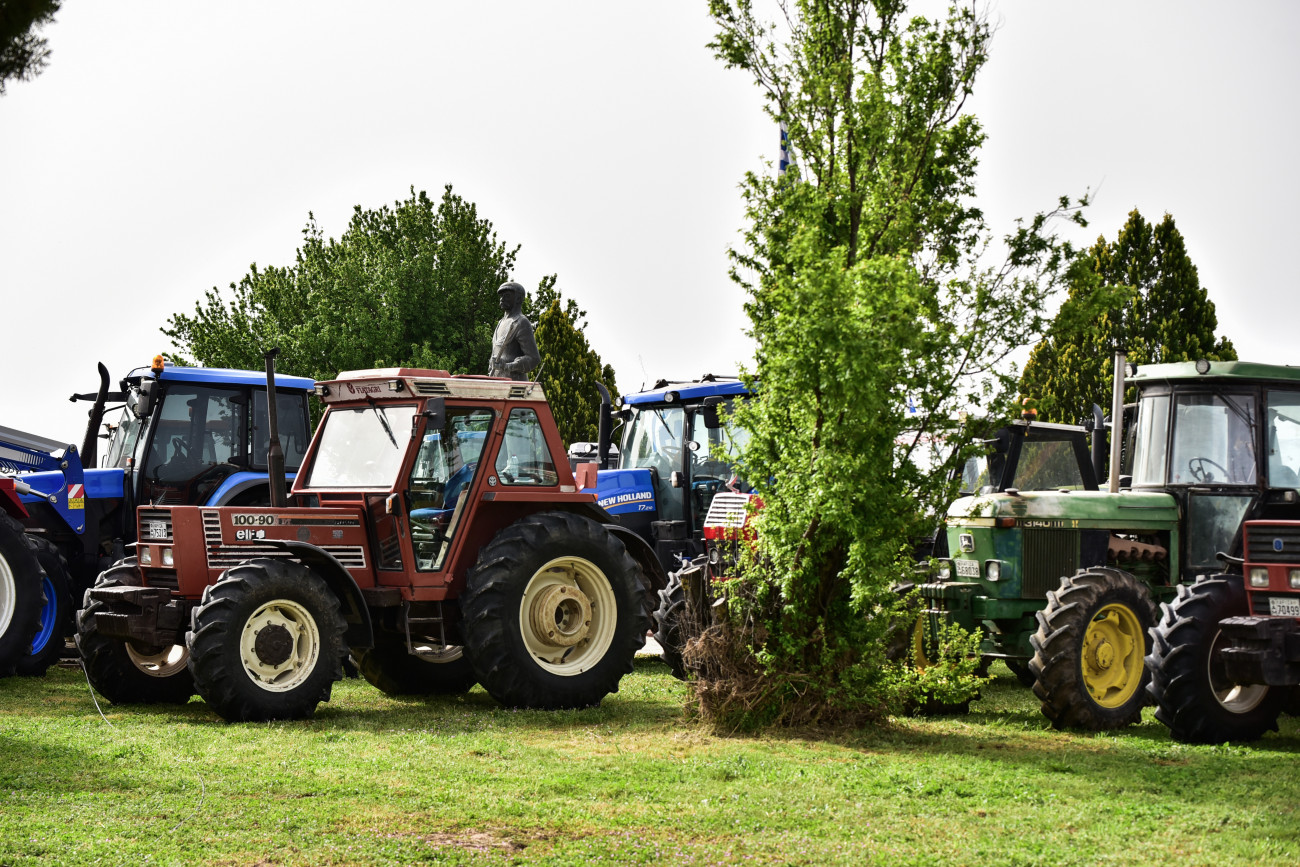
[
  {"x": 183, "y": 435},
  {"x": 1065, "y": 582},
  {"x": 435, "y": 531}
]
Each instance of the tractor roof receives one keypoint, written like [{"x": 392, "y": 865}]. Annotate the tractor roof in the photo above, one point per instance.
[
  {"x": 223, "y": 376},
  {"x": 392, "y": 383},
  {"x": 1216, "y": 370},
  {"x": 709, "y": 386}
]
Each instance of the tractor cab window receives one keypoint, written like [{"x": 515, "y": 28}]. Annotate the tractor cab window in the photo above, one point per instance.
[
  {"x": 1150, "y": 443},
  {"x": 1214, "y": 440},
  {"x": 291, "y": 424},
  {"x": 654, "y": 441},
  {"x": 440, "y": 481},
  {"x": 195, "y": 442},
  {"x": 122, "y": 438},
  {"x": 524, "y": 458},
  {"x": 1283, "y": 439},
  {"x": 712, "y": 451},
  {"x": 361, "y": 447},
  {"x": 1047, "y": 465}
]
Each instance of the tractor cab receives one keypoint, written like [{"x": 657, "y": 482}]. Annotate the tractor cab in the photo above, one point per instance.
[
  {"x": 1032, "y": 456},
  {"x": 673, "y": 460}
]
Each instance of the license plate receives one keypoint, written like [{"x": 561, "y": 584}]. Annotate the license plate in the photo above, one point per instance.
[
  {"x": 157, "y": 529},
  {"x": 968, "y": 568},
  {"x": 1284, "y": 606}
]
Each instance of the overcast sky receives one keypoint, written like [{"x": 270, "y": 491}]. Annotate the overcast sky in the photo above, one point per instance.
[{"x": 170, "y": 145}]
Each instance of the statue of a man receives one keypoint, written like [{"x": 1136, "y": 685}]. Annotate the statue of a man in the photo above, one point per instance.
[{"x": 514, "y": 351}]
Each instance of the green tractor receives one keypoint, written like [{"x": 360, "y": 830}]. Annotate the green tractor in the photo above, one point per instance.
[{"x": 1065, "y": 582}]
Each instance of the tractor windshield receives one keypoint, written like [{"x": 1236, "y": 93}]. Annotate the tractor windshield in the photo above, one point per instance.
[
  {"x": 122, "y": 438},
  {"x": 654, "y": 440},
  {"x": 1214, "y": 440},
  {"x": 361, "y": 447}
]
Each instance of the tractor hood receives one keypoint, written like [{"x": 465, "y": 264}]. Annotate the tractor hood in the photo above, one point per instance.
[{"x": 1134, "y": 508}]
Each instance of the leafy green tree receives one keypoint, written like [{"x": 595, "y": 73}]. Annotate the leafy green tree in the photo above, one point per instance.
[
  {"x": 1140, "y": 294},
  {"x": 875, "y": 326},
  {"x": 569, "y": 369},
  {"x": 414, "y": 284},
  {"x": 24, "y": 54}
]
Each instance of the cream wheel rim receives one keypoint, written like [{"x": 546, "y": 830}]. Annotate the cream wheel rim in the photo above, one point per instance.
[
  {"x": 164, "y": 663},
  {"x": 568, "y": 616},
  {"x": 279, "y": 645},
  {"x": 8, "y": 595}
]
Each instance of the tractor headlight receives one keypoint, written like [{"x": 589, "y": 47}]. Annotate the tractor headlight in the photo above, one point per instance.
[
  {"x": 993, "y": 570},
  {"x": 1259, "y": 576},
  {"x": 1295, "y": 579},
  {"x": 167, "y": 557},
  {"x": 146, "y": 558},
  {"x": 944, "y": 572}
]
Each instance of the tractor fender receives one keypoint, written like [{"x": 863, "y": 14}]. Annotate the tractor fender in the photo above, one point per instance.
[
  {"x": 238, "y": 483},
  {"x": 642, "y": 553},
  {"x": 361, "y": 632},
  {"x": 9, "y": 501}
]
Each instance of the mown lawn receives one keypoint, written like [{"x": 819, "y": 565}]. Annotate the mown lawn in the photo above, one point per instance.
[{"x": 373, "y": 780}]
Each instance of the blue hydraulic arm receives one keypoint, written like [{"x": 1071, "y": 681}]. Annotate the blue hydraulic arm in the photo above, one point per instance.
[{"x": 24, "y": 453}]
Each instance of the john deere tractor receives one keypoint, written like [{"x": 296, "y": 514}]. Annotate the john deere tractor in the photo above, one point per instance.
[{"x": 1064, "y": 582}]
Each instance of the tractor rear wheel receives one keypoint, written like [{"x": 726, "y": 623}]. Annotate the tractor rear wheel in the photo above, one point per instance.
[
  {"x": 1192, "y": 695},
  {"x": 57, "y": 614},
  {"x": 555, "y": 610},
  {"x": 1088, "y": 651},
  {"x": 668, "y": 624},
  {"x": 266, "y": 642},
  {"x": 435, "y": 670},
  {"x": 21, "y": 598},
  {"x": 120, "y": 671}
]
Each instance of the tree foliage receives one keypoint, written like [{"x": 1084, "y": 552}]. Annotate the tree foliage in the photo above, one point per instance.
[
  {"x": 876, "y": 325},
  {"x": 1140, "y": 294},
  {"x": 414, "y": 284},
  {"x": 570, "y": 368},
  {"x": 24, "y": 53}
]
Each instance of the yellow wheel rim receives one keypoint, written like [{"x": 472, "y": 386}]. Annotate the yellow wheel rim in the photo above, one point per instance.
[{"x": 1113, "y": 648}]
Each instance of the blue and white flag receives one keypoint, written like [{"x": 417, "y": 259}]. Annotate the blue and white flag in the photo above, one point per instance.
[{"x": 784, "y": 161}]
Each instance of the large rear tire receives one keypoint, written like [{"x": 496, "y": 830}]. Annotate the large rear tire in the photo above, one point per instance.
[
  {"x": 555, "y": 611},
  {"x": 437, "y": 670},
  {"x": 57, "y": 615},
  {"x": 1192, "y": 695},
  {"x": 122, "y": 672},
  {"x": 21, "y": 596},
  {"x": 669, "y": 626},
  {"x": 1089, "y": 649},
  {"x": 266, "y": 642}
]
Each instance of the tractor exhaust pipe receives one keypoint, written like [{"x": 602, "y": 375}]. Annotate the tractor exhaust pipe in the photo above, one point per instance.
[
  {"x": 1116, "y": 423},
  {"x": 90, "y": 444},
  {"x": 274, "y": 452}
]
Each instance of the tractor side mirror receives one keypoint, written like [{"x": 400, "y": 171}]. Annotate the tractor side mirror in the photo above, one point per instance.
[
  {"x": 144, "y": 404},
  {"x": 710, "y": 410},
  {"x": 435, "y": 413}
]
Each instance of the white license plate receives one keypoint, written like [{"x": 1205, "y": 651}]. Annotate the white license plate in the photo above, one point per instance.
[
  {"x": 1284, "y": 606},
  {"x": 968, "y": 568},
  {"x": 157, "y": 529}
]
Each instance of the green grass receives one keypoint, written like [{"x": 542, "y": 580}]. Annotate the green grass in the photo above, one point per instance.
[{"x": 374, "y": 780}]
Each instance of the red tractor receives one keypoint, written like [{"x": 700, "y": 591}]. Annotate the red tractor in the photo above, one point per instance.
[{"x": 435, "y": 531}]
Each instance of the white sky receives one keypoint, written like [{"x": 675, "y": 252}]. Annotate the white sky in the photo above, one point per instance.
[{"x": 168, "y": 146}]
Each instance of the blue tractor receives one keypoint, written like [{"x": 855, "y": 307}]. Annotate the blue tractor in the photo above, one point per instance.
[
  {"x": 673, "y": 460},
  {"x": 183, "y": 436}
]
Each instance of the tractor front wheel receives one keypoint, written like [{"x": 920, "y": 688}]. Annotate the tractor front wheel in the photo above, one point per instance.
[
  {"x": 1092, "y": 637},
  {"x": 555, "y": 610},
  {"x": 433, "y": 670},
  {"x": 1192, "y": 695},
  {"x": 266, "y": 642},
  {"x": 56, "y": 615},
  {"x": 669, "y": 631},
  {"x": 120, "y": 671},
  {"x": 21, "y": 596}
]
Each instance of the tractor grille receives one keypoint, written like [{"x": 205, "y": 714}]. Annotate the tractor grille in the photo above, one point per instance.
[
  {"x": 224, "y": 556},
  {"x": 155, "y": 525},
  {"x": 727, "y": 510},
  {"x": 1048, "y": 555},
  {"x": 162, "y": 578},
  {"x": 1262, "y": 543}
]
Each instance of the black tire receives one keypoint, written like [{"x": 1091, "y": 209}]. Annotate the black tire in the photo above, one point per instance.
[
  {"x": 567, "y": 649},
  {"x": 266, "y": 642},
  {"x": 911, "y": 643},
  {"x": 391, "y": 669},
  {"x": 57, "y": 619},
  {"x": 1089, "y": 648},
  {"x": 21, "y": 594},
  {"x": 1020, "y": 668},
  {"x": 669, "y": 631},
  {"x": 122, "y": 672},
  {"x": 1192, "y": 695}
]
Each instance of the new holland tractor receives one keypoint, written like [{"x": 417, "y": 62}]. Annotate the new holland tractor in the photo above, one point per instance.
[
  {"x": 183, "y": 435},
  {"x": 1065, "y": 583},
  {"x": 435, "y": 531}
]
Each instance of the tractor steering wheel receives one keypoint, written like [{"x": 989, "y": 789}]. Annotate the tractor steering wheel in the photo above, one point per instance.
[{"x": 1196, "y": 466}]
